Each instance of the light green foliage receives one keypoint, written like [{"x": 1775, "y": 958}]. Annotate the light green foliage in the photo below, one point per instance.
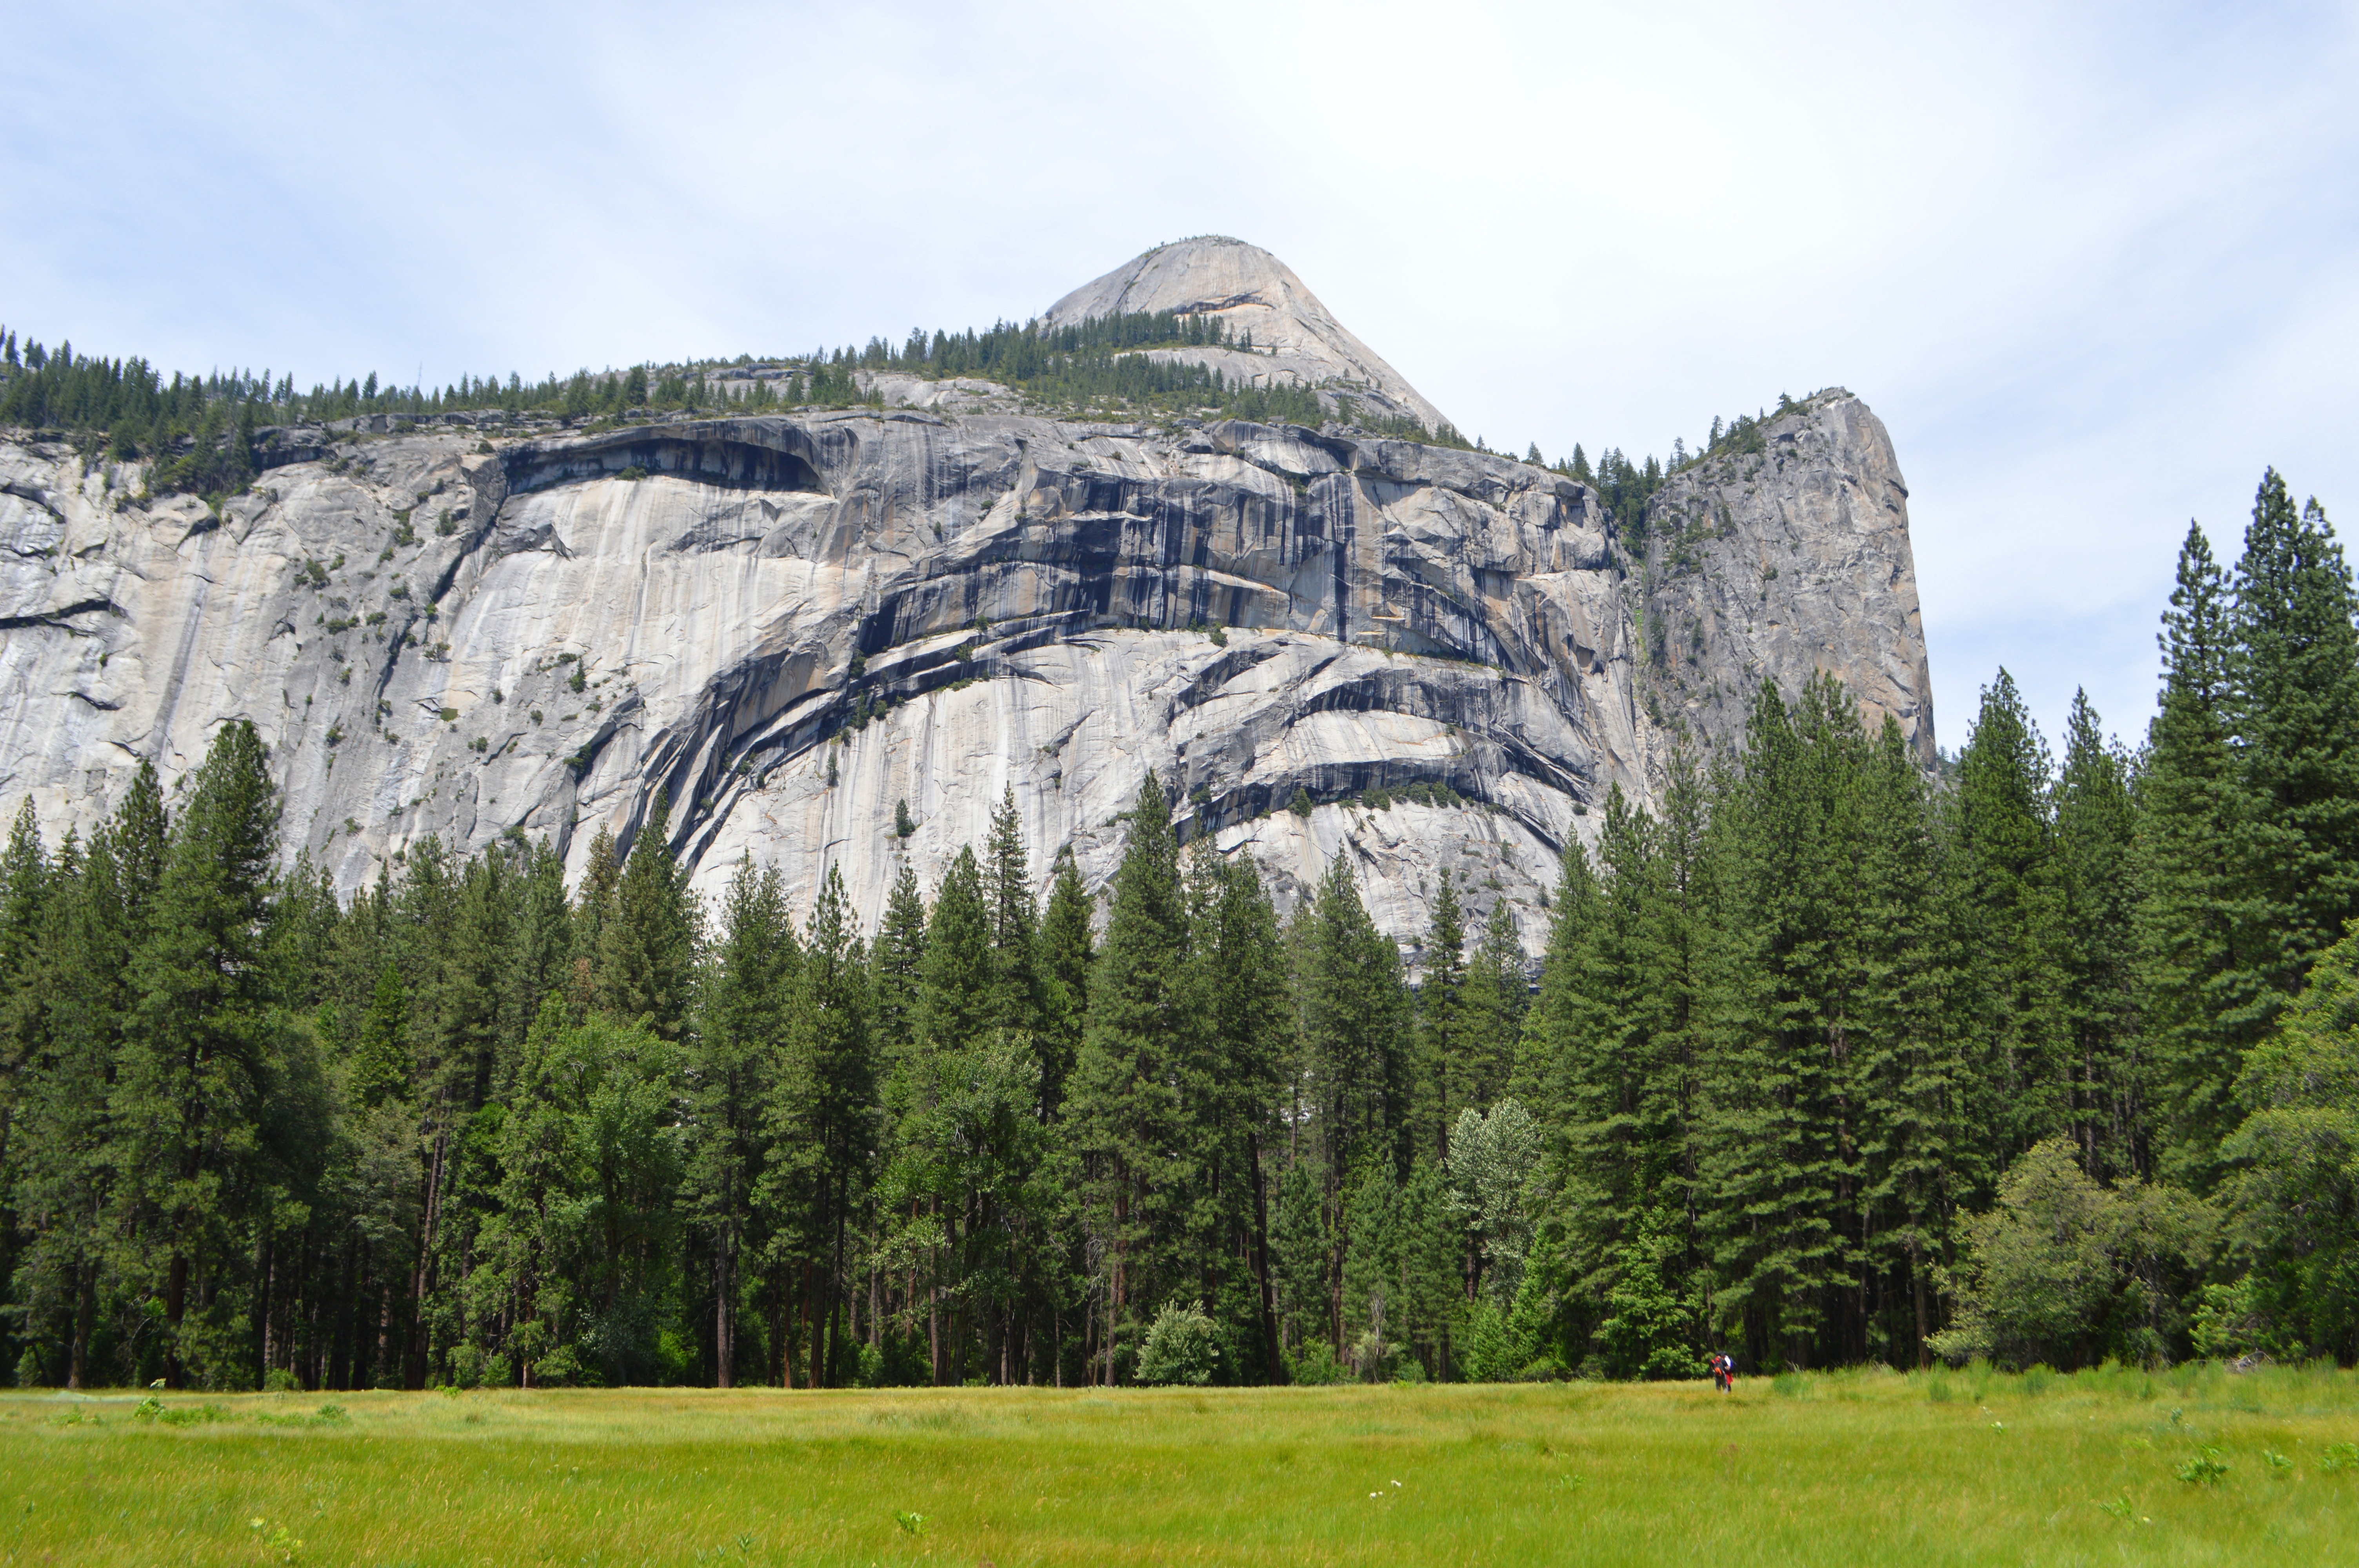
[
  {"x": 1180, "y": 1348},
  {"x": 2294, "y": 1195},
  {"x": 2064, "y": 1271},
  {"x": 1494, "y": 1163}
]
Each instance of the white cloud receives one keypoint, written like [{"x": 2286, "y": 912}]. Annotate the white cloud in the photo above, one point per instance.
[{"x": 2094, "y": 268}]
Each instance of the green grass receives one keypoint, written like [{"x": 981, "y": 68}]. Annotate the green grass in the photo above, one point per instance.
[{"x": 1847, "y": 1468}]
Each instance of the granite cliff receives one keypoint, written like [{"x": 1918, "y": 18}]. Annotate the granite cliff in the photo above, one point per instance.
[{"x": 791, "y": 623}]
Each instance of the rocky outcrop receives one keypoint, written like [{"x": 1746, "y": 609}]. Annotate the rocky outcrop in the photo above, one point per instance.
[
  {"x": 1784, "y": 562},
  {"x": 1295, "y": 337},
  {"x": 1424, "y": 658}
]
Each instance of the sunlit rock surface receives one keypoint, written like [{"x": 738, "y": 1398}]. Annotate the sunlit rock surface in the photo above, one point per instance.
[
  {"x": 473, "y": 633},
  {"x": 1250, "y": 291}
]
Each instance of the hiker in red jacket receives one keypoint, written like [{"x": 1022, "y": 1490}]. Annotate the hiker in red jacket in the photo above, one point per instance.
[{"x": 1723, "y": 1372}]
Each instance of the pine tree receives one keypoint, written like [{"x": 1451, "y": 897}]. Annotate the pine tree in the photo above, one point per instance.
[
  {"x": 1068, "y": 950},
  {"x": 2184, "y": 864},
  {"x": 898, "y": 956},
  {"x": 822, "y": 1132},
  {"x": 593, "y": 907},
  {"x": 646, "y": 945},
  {"x": 1782, "y": 1170},
  {"x": 380, "y": 1056},
  {"x": 1355, "y": 1023},
  {"x": 1232, "y": 1096},
  {"x": 957, "y": 982},
  {"x": 1918, "y": 1160},
  {"x": 1016, "y": 1000},
  {"x": 2005, "y": 850},
  {"x": 1128, "y": 1125},
  {"x": 60, "y": 1127},
  {"x": 2293, "y": 707},
  {"x": 1443, "y": 1055},
  {"x": 733, "y": 1074},
  {"x": 2096, "y": 832},
  {"x": 198, "y": 1051},
  {"x": 1495, "y": 1011}
]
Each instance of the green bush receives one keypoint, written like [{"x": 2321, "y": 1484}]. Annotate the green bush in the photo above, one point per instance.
[
  {"x": 1181, "y": 1347},
  {"x": 1318, "y": 1364},
  {"x": 2064, "y": 1271}
]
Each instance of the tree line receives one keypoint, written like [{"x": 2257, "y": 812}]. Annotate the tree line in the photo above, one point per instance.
[
  {"x": 1828, "y": 1061},
  {"x": 198, "y": 430}
]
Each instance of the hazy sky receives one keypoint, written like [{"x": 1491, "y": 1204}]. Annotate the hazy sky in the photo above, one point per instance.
[{"x": 2095, "y": 266}]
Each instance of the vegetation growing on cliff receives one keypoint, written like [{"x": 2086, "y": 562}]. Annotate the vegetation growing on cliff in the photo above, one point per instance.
[{"x": 201, "y": 429}]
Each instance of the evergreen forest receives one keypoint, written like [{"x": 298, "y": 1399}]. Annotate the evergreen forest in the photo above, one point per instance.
[{"x": 1831, "y": 1060}]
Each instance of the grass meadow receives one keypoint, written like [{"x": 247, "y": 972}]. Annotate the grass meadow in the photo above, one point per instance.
[{"x": 2191, "y": 1466}]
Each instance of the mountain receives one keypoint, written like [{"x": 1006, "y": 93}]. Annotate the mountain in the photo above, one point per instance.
[
  {"x": 479, "y": 625},
  {"x": 1249, "y": 291}
]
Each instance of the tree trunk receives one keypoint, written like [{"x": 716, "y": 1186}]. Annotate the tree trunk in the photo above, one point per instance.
[
  {"x": 1261, "y": 1260},
  {"x": 267, "y": 1269},
  {"x": 176, "y": 1301},
  {"x": 724, "y": 1348},
  {"x": 423, "y": 1280},
  {"x": 1916, "y": 1289},
  {"x": 85, "y": 1303}
]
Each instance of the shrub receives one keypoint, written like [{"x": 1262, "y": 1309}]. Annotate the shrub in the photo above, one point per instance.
[
  {"x": 1318, "y": 1364},
  {"x": 633, "y": 474},
  {"x": 2064, "y": 1271},
  {"x": 279, "y": 1380},
  {"x": 1301, "y": 805},
  {"x": 1181, "y": 1347},
  {"x": 450, "y": 716},
  {"x": 479, "y": 743},
  {"x": 903, "y": 826}
]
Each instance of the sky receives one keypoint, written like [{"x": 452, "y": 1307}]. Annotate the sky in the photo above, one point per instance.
[{"x": 2095, "y": 266}]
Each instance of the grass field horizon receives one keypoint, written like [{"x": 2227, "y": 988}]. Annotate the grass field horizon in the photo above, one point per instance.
[{"x": 1850, "y": 1467}]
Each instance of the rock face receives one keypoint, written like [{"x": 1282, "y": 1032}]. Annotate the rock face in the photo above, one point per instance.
[
  {"x": 1785, "y": 562},
  {"x": 1248, "y": 289},
  {"x": 793, "y": 624}
]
